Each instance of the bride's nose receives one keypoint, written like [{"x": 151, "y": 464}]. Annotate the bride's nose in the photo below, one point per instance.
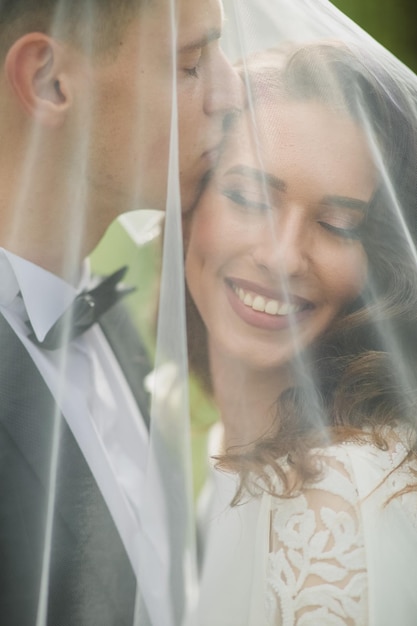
[{"x": 284, "y": 246}]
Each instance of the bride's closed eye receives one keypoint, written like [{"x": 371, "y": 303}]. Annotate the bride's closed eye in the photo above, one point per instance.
[
  {"x": 245, "y": 198},
  {"x": 251, "y": 189},
  {"x": 344, "y": 222},
  {"x": 346, "y": 233}
]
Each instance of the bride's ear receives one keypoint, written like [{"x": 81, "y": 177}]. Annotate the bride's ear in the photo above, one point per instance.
[{"x": 35, "y": 70}]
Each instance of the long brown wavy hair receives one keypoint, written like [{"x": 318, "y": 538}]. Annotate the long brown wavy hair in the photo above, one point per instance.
[{"x": 363, "y": 375}]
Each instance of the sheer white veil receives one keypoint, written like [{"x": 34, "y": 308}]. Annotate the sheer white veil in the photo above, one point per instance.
[{"x": 161, "y": 522}]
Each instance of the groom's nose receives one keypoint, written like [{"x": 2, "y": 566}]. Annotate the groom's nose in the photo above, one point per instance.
[{"x": 224, "y": 92}]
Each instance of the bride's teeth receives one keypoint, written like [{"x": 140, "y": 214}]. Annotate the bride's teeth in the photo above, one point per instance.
[
  {"x": 284, "y": 309},
  {"x": 259, "y": 304},
  {"x": 271, "y": 307},
  {"x": 248, "y": 300}
]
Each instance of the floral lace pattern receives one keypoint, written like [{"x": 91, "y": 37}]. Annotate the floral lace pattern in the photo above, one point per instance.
[{"x": 317, "y": 564}]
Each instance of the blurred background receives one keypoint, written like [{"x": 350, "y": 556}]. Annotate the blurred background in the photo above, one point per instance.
[{"x": 391, "y": 22}]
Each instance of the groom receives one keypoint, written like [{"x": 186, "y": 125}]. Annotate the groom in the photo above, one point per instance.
[{"x": 84, "y": 125}]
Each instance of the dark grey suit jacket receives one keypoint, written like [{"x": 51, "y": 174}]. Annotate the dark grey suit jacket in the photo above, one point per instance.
[{"x": 90, "y": 581}]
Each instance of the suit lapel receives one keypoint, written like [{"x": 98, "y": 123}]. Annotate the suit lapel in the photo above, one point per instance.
[
  {"x": 130, "y": 352},
  {"x": 91, "y": 578}
]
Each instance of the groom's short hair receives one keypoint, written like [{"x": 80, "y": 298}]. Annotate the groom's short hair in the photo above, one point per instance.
[{"x": 95, "y": 24}]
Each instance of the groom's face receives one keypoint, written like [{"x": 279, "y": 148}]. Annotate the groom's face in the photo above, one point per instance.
[{"x": 131, "y": 121}]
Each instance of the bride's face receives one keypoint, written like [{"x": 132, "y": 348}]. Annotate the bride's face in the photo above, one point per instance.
[{"x": 275, "y": 252}]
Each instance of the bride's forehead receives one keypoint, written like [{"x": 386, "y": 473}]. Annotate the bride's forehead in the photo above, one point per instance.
[
  {"x": 303, "y": 143},
  {"x": 270, "y": 121}
]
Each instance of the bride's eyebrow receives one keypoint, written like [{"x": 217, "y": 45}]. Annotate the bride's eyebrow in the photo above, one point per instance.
[
  {"x": 258, "y": 175},
  {"x": 346, "y": 202}
]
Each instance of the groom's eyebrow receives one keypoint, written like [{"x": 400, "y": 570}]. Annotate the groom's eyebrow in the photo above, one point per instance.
[
  {"x": 259, "y": 175},
  {"x": 212, "y": 35}
]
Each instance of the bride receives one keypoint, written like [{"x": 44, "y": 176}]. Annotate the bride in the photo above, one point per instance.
[{"x": 302, "y": 322}]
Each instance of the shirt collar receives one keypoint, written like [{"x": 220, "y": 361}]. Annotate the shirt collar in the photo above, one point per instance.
[{"x": 45, "y": 295}]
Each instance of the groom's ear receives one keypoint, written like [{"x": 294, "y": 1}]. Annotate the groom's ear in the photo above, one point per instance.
[{"x": 36, "y": 72}]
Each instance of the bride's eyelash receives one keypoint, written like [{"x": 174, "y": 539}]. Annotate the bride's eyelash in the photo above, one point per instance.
[
  {"x": 347, "y": 233},
  {"x": 236, "y": 196}
]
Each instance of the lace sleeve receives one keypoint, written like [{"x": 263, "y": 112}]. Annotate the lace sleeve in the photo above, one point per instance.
[{"x": 316, "y": 566}]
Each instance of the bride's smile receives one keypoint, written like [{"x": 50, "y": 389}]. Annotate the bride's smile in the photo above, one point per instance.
[{"x": 264, "y": 308}]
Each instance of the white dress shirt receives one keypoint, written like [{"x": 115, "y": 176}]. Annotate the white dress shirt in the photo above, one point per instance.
[{"x": 97, "y": 403}]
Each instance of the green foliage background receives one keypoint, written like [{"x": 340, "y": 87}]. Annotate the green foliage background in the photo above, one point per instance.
[
  {"x": 391, "y": 22},
  {"x": 394, "y": 24}
]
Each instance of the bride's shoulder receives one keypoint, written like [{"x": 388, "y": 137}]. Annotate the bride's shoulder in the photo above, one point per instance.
[
  {"x": 388, "y": 451},
  {"x": 357, "y": 466}
]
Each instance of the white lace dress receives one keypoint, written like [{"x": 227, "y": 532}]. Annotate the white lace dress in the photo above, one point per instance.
[{"x": 341, "y": 553}]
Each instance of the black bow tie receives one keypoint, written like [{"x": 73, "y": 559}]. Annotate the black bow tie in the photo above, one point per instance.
[{"x": 86, "y": 310}]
